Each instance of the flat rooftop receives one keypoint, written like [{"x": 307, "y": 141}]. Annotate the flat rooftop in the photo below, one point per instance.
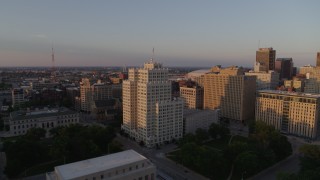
[
  {"x": 20, "y": 115},
  {"x": 301, "y": 94},
  {"x": 90, "y": 166}
]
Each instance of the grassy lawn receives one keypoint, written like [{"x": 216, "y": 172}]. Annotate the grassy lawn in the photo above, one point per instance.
[{"x": 216, "y": 144}]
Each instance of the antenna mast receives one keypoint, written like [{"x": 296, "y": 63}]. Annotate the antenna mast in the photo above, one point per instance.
[{"x": 53, "y": 73}]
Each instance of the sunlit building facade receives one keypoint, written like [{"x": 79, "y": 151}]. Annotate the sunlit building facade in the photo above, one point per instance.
[
  {"x": 150, "y": 114},
  {"x": 292, "y": 113}
]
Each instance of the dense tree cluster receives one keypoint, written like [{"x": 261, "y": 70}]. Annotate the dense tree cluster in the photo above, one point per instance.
[
  {"x": 264, "y": 147},
  {"x": 68, "y": 144},
  {"x": 309, "y": 164}
]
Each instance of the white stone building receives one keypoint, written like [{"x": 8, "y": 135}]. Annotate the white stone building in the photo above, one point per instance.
[
  {"x": 125, "y": 165},
  {"x": 21, "y": 121},
  {"x": 289, "y": 112},
  {"x": 149, "y": 113}
]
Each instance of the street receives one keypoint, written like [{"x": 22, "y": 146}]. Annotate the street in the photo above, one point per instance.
[
  {"x": 164, "y": 165},
  {"x": 291, "y": 164}
]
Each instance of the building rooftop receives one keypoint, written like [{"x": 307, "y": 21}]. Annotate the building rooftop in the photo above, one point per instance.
[
  {"x": 198, "y": 73},
  {"x": 310, "y": 95},
  {"x": 90, "y": 166},
  {"x": 190, "y": 112},
  {"x": 20, "y": 115}
]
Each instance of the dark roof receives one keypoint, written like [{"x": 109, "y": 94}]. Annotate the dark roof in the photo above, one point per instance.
[{"x": 104, "y": 103}]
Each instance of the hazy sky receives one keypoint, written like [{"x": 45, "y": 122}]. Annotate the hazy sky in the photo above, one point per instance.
[{"x": 183, "y": 32}]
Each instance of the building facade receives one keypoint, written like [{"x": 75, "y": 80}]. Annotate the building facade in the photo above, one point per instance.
[
  {"x": 85, "y": 94},
  {"x": 192, "y": 97},
  {"x": 292, "y": 113},
  {"x": 21, "y": 121},
  {"x": 298, "y": 85},
  {"x": 284, "y": 66},
  {"x": 234, "y": 95},
  {"x": 95, "y": 92},
  {"x": 318, "y": 59},
  {"x": 125, "y": 165},
  {"x": 149, "y": 112},
  {"x": 265, "y": 80},
  {"x": 18, "y": 97},
  {"x": 312, "y": 82},
  {"x": 195, "y": 118},
  {"x": 266, "y": 57}
]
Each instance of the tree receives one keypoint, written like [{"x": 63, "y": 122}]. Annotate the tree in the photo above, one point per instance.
[
  {"x": 234, "y": 149},
  {"x": 188, "y": 138},
  {"x": 280, "y": 145},
  {"x": 247, "y": 162},
  {"x": 214, "y": 130},
  {"x": 114, "y": 147},
  {"x": 141, "y": 143},
  {"x": 224, "y": 132},
  {"x": 36, "y": 134},
  {"x": 201, "y": 135},
  {"x": 311, "y": 157}
]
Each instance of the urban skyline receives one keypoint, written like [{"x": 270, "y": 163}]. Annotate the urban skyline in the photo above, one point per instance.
[{"x": 188, "y": 33}]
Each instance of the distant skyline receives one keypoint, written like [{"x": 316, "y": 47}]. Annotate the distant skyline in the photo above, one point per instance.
[{"x": 183, "y": 32}]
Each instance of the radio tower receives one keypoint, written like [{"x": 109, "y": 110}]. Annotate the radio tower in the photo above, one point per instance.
[{"x": 53, "y": 74}]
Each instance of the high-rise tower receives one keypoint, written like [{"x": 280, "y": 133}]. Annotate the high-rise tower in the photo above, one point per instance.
[
  {"x": 266, "y": 57},
  {"x": 232, "y": 92},
  {"x": 149, "y": 112}
]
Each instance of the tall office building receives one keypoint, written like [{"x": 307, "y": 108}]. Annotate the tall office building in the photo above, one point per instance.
[
  {"x": 231, "y": 92},
  {"x": 266, "y": 57},
  {"x": 192, "y": 97},
  {"x": 18, "y": 97},
  {"x": 85, "y": 94},
  {"x": 292, "y": 113},
  {"x": 284, "y": 66},
  {"x": 149, "y": 112},
  {"x": 318, "y": 59}
]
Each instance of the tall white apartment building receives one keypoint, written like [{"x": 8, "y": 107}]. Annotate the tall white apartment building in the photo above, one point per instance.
[
  {"x": 292, "y": 113},
  {"x": 85, "y": 94},
  {"x": 149, "y": 112}
]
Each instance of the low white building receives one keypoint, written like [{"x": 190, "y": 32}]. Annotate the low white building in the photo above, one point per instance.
[
  {"x": 195, "y": 118},
  {"x": 21, "y": 121},
  {"x": 125, "y": 165}
]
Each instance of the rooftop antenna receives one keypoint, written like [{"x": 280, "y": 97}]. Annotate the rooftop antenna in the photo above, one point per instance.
[
  {"x": 259, "y": 44},
  {"x": 52, "y": 58},
  {"x": 152, "y": 54},
  {"x": 53, "y": 66}
]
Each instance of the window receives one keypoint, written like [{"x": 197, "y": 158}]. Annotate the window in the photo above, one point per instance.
[{"x": 102, "y": 176}]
